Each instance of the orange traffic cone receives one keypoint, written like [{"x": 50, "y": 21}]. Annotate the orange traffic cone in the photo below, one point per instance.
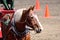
[
  {"x": 37, "y": 6},
  {"x": 0, "y": 31},
  {"x": 47, "y": 12}
]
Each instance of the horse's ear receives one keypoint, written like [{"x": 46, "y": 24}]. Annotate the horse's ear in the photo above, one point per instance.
[{"x": 31, "y": 8}]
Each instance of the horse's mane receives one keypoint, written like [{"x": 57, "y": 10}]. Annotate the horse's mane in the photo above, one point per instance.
[{"x": 18, "y": 14}]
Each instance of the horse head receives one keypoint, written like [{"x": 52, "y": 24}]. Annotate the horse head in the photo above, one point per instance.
[
  {"x": 25, "y": 17},
  {"x": 33, "y": 21}
]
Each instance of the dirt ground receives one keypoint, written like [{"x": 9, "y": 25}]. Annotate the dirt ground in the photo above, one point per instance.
[{"x": 51, "y": 25}]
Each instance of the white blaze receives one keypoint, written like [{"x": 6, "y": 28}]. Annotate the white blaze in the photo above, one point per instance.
[{"x": 35, "y": 16}]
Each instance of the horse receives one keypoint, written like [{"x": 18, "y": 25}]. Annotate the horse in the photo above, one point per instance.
[{"x": 17, "y": 30}]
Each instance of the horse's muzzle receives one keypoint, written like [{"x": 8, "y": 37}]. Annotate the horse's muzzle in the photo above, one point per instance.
[{"x": 38, "y": 31}]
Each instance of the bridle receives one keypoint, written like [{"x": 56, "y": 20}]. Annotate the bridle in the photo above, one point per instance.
[{"x": 27, "y": 21}]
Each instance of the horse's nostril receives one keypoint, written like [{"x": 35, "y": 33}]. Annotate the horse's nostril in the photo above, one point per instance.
[{"x": 38, "y": 31}]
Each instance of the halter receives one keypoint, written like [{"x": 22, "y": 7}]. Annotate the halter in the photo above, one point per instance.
[{"x": 27, "y": 22}]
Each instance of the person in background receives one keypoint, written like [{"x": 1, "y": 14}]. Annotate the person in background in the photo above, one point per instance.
[{"x": 8, "y": 4}]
